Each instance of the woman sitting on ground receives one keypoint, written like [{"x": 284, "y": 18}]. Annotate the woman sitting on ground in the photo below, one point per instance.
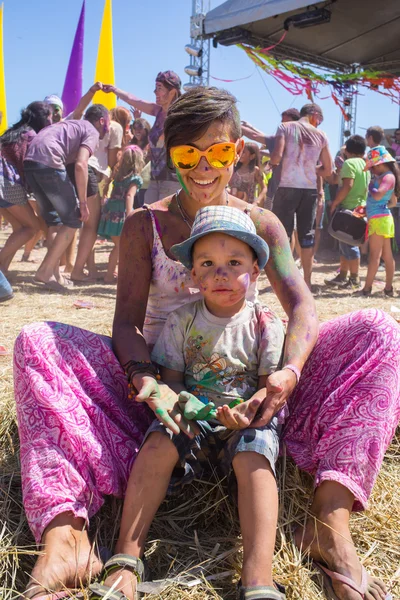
[{"x": 70, "y": 385}]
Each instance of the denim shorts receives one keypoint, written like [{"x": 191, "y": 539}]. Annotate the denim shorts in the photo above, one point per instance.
[
  {"x": 55, "y": 195},
  {"x": 349, "y": 252},
  {"x": 216, "y": 446}
]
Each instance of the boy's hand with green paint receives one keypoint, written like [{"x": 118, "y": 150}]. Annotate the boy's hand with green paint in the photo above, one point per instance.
[{"x": 194, "y": 409}]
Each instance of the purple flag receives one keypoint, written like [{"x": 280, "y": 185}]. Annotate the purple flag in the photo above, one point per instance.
[{"x": 72, "y": 91}]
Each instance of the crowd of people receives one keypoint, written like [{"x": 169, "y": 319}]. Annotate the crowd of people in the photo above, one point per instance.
[
  {"x": 197, "y": 370},
  {"x": 93, "y": 170}
]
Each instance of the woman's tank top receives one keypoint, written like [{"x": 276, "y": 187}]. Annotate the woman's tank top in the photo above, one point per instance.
[{"x": 171, "y": 286}]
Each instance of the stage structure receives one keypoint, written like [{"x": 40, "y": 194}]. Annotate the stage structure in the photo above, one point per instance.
[
  {"x": 354, "y": 45},
  {"x": 199, "y": 48}
]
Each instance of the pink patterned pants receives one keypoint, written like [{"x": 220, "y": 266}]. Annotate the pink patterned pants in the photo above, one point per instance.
[{"x": 80, "y": 434}]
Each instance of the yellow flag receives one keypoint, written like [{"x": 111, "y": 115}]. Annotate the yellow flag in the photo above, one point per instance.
[
  {"x": 105, "y": 59},
  {"x": 3, "y": 104}
]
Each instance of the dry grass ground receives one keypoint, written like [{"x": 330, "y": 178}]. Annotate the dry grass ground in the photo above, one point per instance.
[{"x": 197, "y": 536}]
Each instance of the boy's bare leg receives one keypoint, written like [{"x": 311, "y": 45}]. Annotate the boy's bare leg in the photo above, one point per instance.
[
  {"x": 147, "y": 486},
  {"x": 258, "y": 514}
]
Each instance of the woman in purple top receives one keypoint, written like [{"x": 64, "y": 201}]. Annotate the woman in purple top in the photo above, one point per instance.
[
  {"x": 13, "y": 197},
  {"x": 168, "y": 88}
]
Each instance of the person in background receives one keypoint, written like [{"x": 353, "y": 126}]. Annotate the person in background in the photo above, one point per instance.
[
  {"x": 14, "y": 144},
  {"x": 57, "y": 107},
  {"x": 300, "y": 146},
  {"x": 353, "y": 190},
  {"x": 140, "y": 130},
  {"x": 63, "y": 208},
  {"x": 248, "y": 176},
  {"x": 383, "y": 192},
  {"x": 100, "y": 166},
  {"x": 56, "y": 104},
  {"x": 163, "y": 181},
  {"x": 126, "y": 182},
  {"x": 291, "y": 114},
  {"x": 374, "y": 136},
  {"x": 121, "y": 115}
]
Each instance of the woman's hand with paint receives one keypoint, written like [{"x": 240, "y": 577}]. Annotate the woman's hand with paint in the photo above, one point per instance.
[
  {"x": 279, "y": 387},
  {"x": 239, "y": 416},
  {"x": 164, "y": 403}
]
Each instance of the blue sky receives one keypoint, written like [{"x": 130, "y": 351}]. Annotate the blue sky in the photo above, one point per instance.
[{"x": 149, "y": 36}]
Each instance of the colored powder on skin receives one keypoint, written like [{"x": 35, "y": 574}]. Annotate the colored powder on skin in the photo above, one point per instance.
[
  {"x": 181, "y": 182},
  {"x": 160, "y": 412}
]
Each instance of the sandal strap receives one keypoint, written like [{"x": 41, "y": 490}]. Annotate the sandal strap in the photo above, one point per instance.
[
  {"x": 260, "y": 592},
  {"x": 125, "y": 561},
  {"x": 98, "y": 591}
]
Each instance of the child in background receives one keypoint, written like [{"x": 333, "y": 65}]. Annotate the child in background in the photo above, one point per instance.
[
  {"x": 383, "y": 192},
  {"x": 219, "y": 348},
  {"x": 126, "y": 182},
  {"x": 248, "y": 176},
  {"x": 353, "y": 190}
]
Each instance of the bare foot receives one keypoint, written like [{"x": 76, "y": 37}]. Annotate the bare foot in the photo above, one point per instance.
[
  {"x": 68, "y": 560},
  {"x": 328, "y": 540}
]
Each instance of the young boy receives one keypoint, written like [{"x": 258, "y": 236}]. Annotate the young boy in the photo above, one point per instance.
[
  {"x": 219, "y": 349},
  {"x": 351, "y": 194}
]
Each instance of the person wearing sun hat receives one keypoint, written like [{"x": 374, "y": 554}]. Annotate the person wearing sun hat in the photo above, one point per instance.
[
  {"x": 217, "y": 354},
  {"x": 383, "y": 192},
  {"x": 225, "y": 220}
]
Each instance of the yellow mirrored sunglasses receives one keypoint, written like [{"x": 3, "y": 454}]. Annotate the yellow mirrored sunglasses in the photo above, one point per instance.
[{"x": 218, "y": 156}]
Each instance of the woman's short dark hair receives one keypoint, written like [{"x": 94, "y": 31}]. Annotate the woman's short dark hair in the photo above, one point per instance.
[
  {"x": 35, "y": 116},
  {"x": 356, "y": 145},
  {"x": 191, "y": 115}
]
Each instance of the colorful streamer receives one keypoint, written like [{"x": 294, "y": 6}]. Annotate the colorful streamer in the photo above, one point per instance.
[
  {"x": 72, "y": 91},
  {"x": 3, "y": 101},
  {"x": 299, "y": 80},
  {"x": 105, "y": 59},
  {"x": 232, "y": 80}
]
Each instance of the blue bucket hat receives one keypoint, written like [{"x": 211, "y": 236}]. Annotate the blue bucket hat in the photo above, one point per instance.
[{"x": 222, "y": 219}]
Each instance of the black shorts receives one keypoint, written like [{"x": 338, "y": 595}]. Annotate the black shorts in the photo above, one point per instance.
[
  {"x": 289, "y": 202},
  {"x": 92, "y": 185}
]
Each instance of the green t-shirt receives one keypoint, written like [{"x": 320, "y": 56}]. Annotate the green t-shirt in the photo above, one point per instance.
[{"x": 353, "y": 168}]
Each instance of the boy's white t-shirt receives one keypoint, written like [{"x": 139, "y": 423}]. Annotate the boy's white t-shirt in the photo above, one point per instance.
[{"x": 221, "y": 358}]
